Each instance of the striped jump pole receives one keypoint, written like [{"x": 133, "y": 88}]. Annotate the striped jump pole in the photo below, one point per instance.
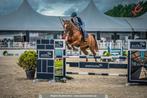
[{"x": 98, "y": 74}]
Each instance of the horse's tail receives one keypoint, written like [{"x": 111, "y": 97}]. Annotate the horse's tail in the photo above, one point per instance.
[{"x": 95, "y": 43}]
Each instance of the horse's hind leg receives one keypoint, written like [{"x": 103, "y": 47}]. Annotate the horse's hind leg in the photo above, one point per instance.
[
  {"x": 85, "y": 52},
  {"x": 93, "y": 52}
]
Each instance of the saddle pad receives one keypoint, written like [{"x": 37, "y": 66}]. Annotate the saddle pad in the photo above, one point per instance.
[{"x": 85, "y": 34}]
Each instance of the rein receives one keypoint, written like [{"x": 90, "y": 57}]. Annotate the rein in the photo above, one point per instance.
[
  {"x": 71, "y": 28},
  {"x": 74, "y": 26}
]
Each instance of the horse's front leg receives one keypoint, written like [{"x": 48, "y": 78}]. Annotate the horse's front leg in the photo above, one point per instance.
[
  {"x": 75, "y": 49},
  {"x": 75, "y": 43},
  {"x": 68, "y": 46}
]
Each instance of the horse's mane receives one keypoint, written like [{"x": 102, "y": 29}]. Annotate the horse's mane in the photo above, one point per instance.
[{"x": 72, "y": 25}]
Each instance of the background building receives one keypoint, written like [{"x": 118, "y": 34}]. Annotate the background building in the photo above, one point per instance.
[{"x": 26, "y": 25}]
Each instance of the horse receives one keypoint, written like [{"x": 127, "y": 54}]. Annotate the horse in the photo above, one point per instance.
[{"x": 73, "y": 35}]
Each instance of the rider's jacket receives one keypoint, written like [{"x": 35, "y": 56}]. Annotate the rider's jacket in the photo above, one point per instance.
[{"x": 77, "y": 21}]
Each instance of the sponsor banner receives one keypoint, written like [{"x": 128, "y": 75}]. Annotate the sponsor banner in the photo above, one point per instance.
[
  {"x": 93, "y": 65},
  {"x": 45, "y": 54},
  {"x": 72, "y": 96},
  {"x": 137, "y": 45}
]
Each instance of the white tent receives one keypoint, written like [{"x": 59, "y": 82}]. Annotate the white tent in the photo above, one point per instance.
[
  {"x": 97, "y": 21},
  {"x": 25, "y": 18},
  {"x": 139, "y": 24}
]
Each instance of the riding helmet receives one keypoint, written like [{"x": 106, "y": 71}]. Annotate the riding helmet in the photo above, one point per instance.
[{"x": 74, "y": 14}]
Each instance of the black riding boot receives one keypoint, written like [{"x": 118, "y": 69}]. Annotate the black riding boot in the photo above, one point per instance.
[
  {"x": 83, "y": 39},
  {"x": 83, "y": 36}
]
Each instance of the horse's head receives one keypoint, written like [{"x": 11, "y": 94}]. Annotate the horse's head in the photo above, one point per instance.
[
  {"x": 67, "y": 25},
  {"x": 67, "y": 28}
]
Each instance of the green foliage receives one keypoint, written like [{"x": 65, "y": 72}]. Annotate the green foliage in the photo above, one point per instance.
[
  {"x": 28, "y": 60},
  {"x": 125, "y": 53},
  {"x": 58, "y": 64},
  {"x": 5, "y": 53},
  {"x": 126, "y": 10},
  {"x": 58, "y": 67},
  {"x": 106, "y": 53}
]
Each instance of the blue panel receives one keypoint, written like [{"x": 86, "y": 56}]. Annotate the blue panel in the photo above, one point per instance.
[
  {"x": 38, "y": 65},
  {"x": 97, "y": 56},
  {"x": 38, "y": 41},
  {"x": 52, "y": 41},
  {"x": 46, "y": 54},
  {"x": 40, "y": 46},
  {"x": 122, "y": 57},
  {"x": 49, "y": 46},
  {"x": 44, "y": 65},
  {"x": 118, "y": 65},
  {"x": 73, "y": 64},
  {"x": 59, "y": 44},
  {"x": 45, "y": 76},
  {"x": 45, "y": 72},
  {"x": 138, "y": 45},
  {"x": 58, "y": 56},
  {"x": 50, "y": 62},
  {"x": 93, "y": 65},
  {"x": 44, "y": 41},
  {"x": 50, "y": 69},
  {"x": 58, "y": 52},
  {"x": 83, "y": 56},
  {"x": 64, "y": 52}
]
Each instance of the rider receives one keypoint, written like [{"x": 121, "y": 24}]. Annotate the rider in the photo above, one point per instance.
[{"x": 78, "y": 22}]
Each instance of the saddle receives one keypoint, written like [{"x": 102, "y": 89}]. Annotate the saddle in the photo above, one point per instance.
[{"x": 84, "y": 33}]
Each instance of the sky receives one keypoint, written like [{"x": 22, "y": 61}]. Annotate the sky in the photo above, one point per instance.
[{"x": 60, "y": 7}]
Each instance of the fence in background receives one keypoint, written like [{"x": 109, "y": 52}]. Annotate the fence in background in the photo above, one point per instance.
[{"x": 24, "y": 45}]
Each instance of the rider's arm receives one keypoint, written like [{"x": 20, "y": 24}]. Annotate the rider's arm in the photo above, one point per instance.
[{"x": 75, "y": 19}]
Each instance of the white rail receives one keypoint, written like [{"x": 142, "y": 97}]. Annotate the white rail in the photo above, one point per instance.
[
  {"x": 22, "y": 45},
  {"x": 102, "y": 45}
]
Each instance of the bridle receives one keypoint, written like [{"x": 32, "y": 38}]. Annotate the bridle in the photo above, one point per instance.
[{"x": 67, "y": 27}]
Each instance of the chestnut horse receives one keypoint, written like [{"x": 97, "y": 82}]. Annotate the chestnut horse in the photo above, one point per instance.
[{"x": 73, "y": 36}]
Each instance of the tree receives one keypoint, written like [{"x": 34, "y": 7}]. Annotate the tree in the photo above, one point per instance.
[{"x": 126, "y": 10}]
